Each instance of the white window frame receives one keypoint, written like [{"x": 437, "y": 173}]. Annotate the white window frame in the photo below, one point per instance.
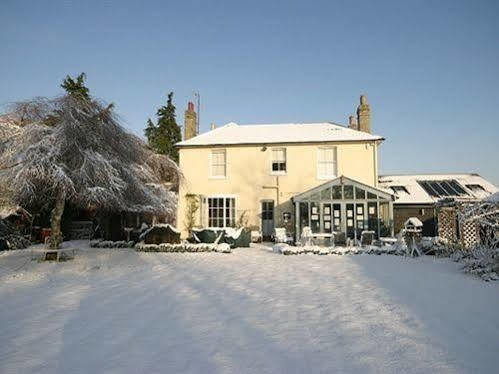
[
  {"x": 335, "y": 163},
  {"x": 207, "y": 210},
  {"x": 278, "y": 172},
  {"x": 211, "y": 164}
]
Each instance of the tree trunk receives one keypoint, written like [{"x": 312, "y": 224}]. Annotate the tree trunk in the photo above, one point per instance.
[{"x": 55, "y": 220}]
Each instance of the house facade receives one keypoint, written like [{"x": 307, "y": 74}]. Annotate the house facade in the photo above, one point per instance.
[{"x": 320, "y": 175}]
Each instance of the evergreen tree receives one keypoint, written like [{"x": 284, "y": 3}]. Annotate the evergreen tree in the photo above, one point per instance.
[
  {"x": 162, "y": 136},
  {"x": 76, "y": 87}
]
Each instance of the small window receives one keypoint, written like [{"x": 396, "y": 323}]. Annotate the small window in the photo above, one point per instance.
[
  {"x": 360, "y": 194},
  {"x": 279, "y": 161},
  {"x": 478, "y": 190},
  {"x": 326, "y": 163},
  {"x": 348, "y": 191},
  {"x": 475, "y": 187},
  {"x": 218, "y": 163},
  {"x": 400, "y": 190}
]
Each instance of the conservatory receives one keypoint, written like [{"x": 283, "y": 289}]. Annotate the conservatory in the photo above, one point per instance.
[{"x": 344, "y": 205}]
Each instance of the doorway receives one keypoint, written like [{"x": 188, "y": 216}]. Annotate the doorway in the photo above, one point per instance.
[{"x": 267, "y": 219}]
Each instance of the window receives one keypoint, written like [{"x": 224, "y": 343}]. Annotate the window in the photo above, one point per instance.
[
  {"x": 477, "y": 190},
  {"x": 326, "y": 163},
  {"x": 279, "y": 161},
  {"x": 400, "y": 190},
  {"x": 218, "y": 163},
  {"x": 443, "y": 189},
  {"x": 221, "y": 212}
]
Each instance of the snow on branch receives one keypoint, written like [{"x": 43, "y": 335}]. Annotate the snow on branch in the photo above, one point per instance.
[{"x": 79, "y": 147}]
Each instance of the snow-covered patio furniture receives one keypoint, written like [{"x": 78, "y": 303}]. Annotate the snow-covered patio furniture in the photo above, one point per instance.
[
  {"x": 367, "y": 237},
  {"x": 237, "y": 238},
  {"x": 388, "y": 240},
  {"x": 256, "y": 236},
  {"x": 161, "y": 233},
  {"x": 340, "y": 239},
  {"x": 307, "y": 238},
  {"x": 282, "y": 236}
]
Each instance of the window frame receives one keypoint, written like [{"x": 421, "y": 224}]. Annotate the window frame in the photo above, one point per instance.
[
  {"x": 233, "y": 209},
  {"x": 278, "y": 172},
  {"x": 218, "y": 150},
  {"x": 335, "y": 163},
  {"x": 399, "y": 188}
]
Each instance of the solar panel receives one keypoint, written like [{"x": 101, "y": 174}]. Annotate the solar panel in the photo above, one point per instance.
[{"x": 442, "y": 188}]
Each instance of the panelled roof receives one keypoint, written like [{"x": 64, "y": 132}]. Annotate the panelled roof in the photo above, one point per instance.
[
  {"x": 416, "y": 194},
  {"x": 234, "y": 134}
]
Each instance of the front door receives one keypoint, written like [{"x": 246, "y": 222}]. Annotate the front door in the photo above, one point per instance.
[{"x": 267, "y": 219}]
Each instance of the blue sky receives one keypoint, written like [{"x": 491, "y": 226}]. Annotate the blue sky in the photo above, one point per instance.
[{"x": 430, "y": 69}]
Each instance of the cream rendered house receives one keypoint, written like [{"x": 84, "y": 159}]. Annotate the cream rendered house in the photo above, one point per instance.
[{"x": 320, "y": 175}]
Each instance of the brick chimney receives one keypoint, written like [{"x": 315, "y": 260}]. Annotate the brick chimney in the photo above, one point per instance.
[
  {"x": 352, "y": 123},
  {"x": 213, "y": 126},
  {"x": 364, "y": 115},
  {"x": 190, "y": 128}
]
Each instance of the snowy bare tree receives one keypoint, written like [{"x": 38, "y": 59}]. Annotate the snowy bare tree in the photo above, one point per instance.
[
  {"x": 72, "y": 150},
  {"x": 484, "y": 213}
]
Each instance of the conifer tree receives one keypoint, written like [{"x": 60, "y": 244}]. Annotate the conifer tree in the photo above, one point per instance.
[
  {"x": 162, "y": 136},
  {"x": 76, "y": 87}
]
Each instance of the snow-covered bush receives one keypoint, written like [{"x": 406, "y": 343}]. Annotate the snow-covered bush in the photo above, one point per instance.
[
  {"x": 183, "y": 247},
  {"x": 286, "y": 249},
  {"x": 110, "y": 244},
  {"x": 482, "y": 262}
]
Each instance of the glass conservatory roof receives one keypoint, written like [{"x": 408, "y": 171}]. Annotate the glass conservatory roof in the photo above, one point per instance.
[{"x": 343, "y": 188}]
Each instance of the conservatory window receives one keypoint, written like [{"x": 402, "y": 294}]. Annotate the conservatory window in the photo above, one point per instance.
[
  {"x": 326, "y": 163},
  {"x": 218, "y": 163},
  {"x": 221, "y": 212},
  {"x": 279, "y": 161}
]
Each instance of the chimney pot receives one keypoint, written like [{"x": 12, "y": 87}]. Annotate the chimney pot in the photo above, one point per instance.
[
  {"x": 352, "y": 123},
  {"x": 190, "y": 128},
  {"x": 213, "y": 126},
  {"x": 364, "y": 115}
]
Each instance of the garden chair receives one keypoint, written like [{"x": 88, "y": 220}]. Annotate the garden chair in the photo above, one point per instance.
[
  {"x": 307, "y": 238},
  {"x": 281, "y": 236},
  {"x": 340, "y": 239},
  {"x": 366, "y": 238}
]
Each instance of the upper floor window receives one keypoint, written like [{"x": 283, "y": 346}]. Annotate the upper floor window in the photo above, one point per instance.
[
  {"x": 218, "y": 163},
  {"x": 326, "y": 163},
  {"x": 279, "y": 161}
]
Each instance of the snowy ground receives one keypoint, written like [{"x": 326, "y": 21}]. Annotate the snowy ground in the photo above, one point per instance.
[{"x": 252, "y": 311}]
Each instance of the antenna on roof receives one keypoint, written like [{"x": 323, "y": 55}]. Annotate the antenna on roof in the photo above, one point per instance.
[{"x": 198, "y": 104}]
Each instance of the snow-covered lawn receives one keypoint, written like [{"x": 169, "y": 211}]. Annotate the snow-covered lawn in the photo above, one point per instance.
[{"x": 251, "y": 311}]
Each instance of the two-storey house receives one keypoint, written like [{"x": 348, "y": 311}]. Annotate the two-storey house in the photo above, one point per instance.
[{"x": 318, "y": 175}]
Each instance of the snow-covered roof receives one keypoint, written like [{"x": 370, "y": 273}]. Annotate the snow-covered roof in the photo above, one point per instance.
[
  {"x": 473, "y": 186},
  {"x": 232, "y": 134}
]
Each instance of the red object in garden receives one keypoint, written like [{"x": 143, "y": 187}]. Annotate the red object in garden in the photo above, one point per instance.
[{"x": 46, "y": 234}]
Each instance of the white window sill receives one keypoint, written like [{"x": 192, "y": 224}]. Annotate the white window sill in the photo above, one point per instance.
[
  {"x": 214, "y": 177},
  {"x": 278, "y": 174}
]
